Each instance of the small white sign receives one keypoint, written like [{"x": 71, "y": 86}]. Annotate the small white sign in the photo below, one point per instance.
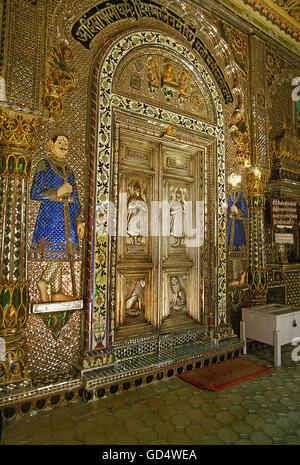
[
  {"x": 284, "y": 238},
  {"x": 57, "y": 306},
  {"x": 2, "y": 349}
]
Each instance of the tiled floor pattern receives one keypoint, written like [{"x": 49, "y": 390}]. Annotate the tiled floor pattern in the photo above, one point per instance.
[{"x": 262, "y": 411}]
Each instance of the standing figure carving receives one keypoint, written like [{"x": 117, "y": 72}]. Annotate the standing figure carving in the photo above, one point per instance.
[
  {"x": 60, "y": 224},
  {"x": 177, "y": 219},
  {"x": 136, "y": 216}
]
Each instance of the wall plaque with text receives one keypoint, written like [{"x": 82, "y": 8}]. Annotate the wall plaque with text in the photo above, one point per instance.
[{"x": 284, "y": 213}]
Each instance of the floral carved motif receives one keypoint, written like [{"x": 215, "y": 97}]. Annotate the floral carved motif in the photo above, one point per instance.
[
  {"x": 241, "y": 137},
  {"x": 273, "y": 66},
  {"x": 238, "y": 44},
  {"x": 60, "y": 80}
]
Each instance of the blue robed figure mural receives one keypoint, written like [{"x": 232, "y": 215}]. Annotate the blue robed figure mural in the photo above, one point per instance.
[
  {"x": 59, "y": 226},
  {"x": 237, "y": 214}
]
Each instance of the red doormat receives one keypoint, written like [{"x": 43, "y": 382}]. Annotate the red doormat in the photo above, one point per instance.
[{"x": 224, "y": 374}]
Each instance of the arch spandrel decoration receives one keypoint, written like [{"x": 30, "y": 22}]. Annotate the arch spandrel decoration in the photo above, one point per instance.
[
  {"x": 165, "y": 81},
  {"x": 102, "y": 299}
]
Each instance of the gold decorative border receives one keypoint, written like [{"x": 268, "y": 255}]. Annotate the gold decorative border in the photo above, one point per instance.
[{"x": 99, "y": 305}]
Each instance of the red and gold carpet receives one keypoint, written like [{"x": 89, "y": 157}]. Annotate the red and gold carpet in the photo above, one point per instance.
[{"x": 224, "y": 374}]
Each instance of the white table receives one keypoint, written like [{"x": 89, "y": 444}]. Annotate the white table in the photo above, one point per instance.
[{"x": 272, "y": 324}]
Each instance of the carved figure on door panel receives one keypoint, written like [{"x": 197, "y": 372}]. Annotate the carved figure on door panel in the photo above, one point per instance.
[
  {"x": 178, "y": 302},
  {"x": 136, "y": 216},
  {"x": 153, "y": 72},
  {"x": 177, "y": 219},
  {"x": 133, "y": 305}
]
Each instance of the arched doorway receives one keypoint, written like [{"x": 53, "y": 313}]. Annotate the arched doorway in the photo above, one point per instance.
[{"x": 160, "y": 138}]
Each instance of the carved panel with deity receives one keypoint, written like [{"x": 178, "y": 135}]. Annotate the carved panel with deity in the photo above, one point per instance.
[
  {"x": 149, "y": 74},
  {"x": 177, "y": 201},
  {"x": 160, "y": 257},
  {"x": 136, "y": 186},
  {"x": 133, "y": 296}
]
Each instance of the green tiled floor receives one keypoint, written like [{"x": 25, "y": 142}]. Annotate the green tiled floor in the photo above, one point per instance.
[{"x": 262, "y": 411}]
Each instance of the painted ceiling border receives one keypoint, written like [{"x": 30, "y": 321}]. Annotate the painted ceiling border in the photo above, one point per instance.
[{"x": 253, "y": 17}]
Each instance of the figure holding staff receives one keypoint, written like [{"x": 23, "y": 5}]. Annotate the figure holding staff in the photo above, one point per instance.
[{"x": 60, "y": 225}]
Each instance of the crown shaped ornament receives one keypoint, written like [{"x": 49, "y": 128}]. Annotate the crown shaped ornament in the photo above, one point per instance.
[{"x": 18, "y": 130}]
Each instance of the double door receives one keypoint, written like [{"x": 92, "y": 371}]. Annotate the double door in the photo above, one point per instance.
[{"x": 161, "y": 222}]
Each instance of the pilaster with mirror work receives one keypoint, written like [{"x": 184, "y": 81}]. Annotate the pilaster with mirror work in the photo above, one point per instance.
[
  {"x": 257, "y": 275},
  {"x": 18, "y": 132},
  {"x": 258, "y": 172}
]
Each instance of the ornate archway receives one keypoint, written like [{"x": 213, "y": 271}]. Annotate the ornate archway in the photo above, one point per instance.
[{"x": 102, "y": 300}]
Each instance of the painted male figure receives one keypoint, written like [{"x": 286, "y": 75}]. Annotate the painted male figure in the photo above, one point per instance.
[
  {"x": 59, "y": 225},
  {"x": 237, "y": 214},
  {"x": 177, "y": 219}
]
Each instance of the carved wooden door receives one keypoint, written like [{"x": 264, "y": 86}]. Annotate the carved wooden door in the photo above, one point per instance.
[{"x": 160, "y": 232}]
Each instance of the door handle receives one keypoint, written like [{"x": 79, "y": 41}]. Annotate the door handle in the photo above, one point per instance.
[{"x": 295, "y": 324}]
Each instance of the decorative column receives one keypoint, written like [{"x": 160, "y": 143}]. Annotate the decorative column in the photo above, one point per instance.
[
  {"x": 257, "y": 274},
  {"x": 17, "y": 140}
]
